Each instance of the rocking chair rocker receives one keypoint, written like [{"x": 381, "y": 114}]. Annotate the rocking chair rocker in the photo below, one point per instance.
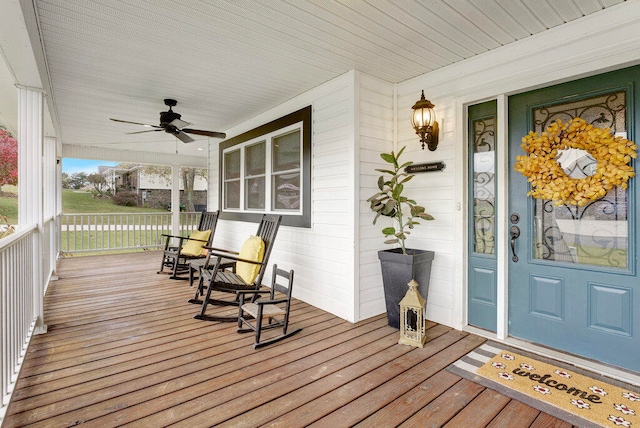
[
  {"x": 270, "y": 309},
  {"x": 245, "y": 276}
]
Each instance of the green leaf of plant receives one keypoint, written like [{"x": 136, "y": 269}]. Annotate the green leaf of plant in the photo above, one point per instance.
[
  {"x": 400, "y": 152},
  {"x": 388, "y": 157},
  {"x": 397, "y": 191},
  {"x": 388, "y": 231},
  {"x": 389, "y": 207},
  {"x": 381, "y": 183},
  {"x": 386, "y": 171},
  {"x": 407, "y": 178}
]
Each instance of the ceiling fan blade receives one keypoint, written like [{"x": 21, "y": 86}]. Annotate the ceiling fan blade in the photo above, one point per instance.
[
  {"x": 140, "y": 132},
  {"x": 179, "y": 123},
  {"x": 206, "y": 133},
  {"x": 183, "y": 137},
  {"x": 136, "y": 123}
]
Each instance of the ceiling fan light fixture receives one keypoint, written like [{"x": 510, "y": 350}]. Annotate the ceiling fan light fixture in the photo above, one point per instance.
[{"x": 171, "y": 123}]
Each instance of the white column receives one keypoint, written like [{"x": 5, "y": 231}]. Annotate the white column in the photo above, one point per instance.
[
  {"x": 175, "y": 199},
  {"x": 30, "y": 186}
]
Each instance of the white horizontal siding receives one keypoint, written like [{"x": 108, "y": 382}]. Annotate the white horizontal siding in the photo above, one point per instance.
[
  {"x": 375, "y": 136},
  {"x": 321, "y": 256}
]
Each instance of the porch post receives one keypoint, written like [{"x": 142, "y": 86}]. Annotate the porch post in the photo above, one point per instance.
[
  {"x": 175, "y": 200},
  {"x": 31, "y": 188}
]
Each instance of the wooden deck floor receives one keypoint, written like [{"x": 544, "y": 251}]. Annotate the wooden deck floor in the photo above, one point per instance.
[{"x": 123, "y": 349}]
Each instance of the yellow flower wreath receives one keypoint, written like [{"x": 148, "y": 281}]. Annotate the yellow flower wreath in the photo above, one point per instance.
[{"x": 548, "y": 179}]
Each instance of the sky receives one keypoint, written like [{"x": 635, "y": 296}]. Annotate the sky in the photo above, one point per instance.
[{"x": 71, "y": 166}]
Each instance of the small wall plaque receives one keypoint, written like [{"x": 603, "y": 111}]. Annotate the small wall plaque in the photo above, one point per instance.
[{"x": 425, "y": 167}]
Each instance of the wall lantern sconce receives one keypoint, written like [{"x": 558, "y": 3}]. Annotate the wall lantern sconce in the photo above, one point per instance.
[
  {"x": 412, "y": 331},
  {"x": 424, "y": 122}
]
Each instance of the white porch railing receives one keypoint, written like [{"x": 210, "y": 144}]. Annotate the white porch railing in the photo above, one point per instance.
[
  {"x": 18, "y": 269},
  {"x": 111, "y": 232}
]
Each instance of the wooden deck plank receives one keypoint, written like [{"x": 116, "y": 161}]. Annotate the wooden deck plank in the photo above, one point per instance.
[
  {"x": 545, "y": 420},
  {"x": 389, "y": 390},
  {"x": 303, "y": 406},
  {"x": 515, "y": 414},
  {"x": 448, "y": 404},
  {"x": 481, "y": 411},
  {"x": 112, "y": 384},
  {"x": 257, "y": 387},
  {"x": 123, "y": 349},
  {"x": 402, "y": 407}
]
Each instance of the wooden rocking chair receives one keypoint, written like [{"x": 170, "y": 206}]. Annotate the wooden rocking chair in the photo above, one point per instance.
[
  {"x": 270, "y": 309},
  {"x": 248, "y": 273},
  {"x": 176, "y": 258}
]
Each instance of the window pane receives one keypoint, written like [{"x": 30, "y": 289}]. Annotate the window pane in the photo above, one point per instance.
[
  {"x": 232, "y": 194},
  {"x": 232, "y": 165},
  {"x": 255, "y": 193},
  {"x": 286, "y": 152},
  {"x": 286, "y": 191},
  {"x": 255, "y": 159}
]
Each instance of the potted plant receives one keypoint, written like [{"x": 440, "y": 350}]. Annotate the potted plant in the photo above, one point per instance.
[{"x": 399, "y": 265}]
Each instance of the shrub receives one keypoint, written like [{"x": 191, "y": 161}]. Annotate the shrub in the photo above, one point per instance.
[{"x": 127, "y": 199}]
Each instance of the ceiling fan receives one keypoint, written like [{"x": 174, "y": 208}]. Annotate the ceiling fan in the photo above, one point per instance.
[{"x": 170, "y": 122}]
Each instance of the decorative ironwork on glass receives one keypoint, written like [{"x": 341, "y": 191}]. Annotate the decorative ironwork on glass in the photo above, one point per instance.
[
  {"x": 484, "y": 185},
  {"x": 597, "y": 233},
  {"x": 603, "y": 111}
]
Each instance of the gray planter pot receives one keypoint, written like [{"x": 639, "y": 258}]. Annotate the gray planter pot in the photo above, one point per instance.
[{"x": 397, "y": 270}]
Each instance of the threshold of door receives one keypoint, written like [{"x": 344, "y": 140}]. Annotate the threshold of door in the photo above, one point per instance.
[{"x": 613, "y": 372}]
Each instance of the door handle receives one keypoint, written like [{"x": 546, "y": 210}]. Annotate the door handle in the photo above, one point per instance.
[{"x": 514, "y": 232}]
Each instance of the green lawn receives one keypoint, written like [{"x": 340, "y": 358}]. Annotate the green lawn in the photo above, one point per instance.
[
  {"x": 77, "y": 202},
  {"x": 73, "y": 202},
  {"x": 9, "y": 203}
]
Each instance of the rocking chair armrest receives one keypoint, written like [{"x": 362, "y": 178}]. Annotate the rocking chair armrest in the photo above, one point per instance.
[
  {"x": 219, "y": 250},
  {"x": 270, "y": 302},
  {"x": 230, "y": 255},
  {"x": 173, "y": 236}
]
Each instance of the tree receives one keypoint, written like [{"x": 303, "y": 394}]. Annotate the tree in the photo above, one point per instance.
[
  {"x": 66, "y": 181},
  {"x": 8, "y": 159},
  {"x": 78, "y": 180},
  {"x": 98, "y": 182}
]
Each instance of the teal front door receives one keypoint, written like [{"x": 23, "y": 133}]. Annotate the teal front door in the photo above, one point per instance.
[{"x": 573, "y": 270}]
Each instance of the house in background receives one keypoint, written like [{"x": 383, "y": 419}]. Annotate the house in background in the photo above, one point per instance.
[
  {"x": 494, "y": 72},
  {"x": 152, "y": 190}
]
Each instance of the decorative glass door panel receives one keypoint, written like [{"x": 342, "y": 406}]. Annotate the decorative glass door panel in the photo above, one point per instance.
[
  {"x": 595, "y": 234},
  {"x": 484, "y": 185}
]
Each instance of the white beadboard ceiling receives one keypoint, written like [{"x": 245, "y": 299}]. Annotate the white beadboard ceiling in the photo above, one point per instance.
[{"x": 227, "y": 61}]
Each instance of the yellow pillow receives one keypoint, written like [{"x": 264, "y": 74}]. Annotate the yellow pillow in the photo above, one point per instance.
[
  {"x": 252, "y": 249},
  {"x": 194, "y": 248}
]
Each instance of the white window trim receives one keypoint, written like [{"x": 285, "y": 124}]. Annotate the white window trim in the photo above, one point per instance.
[{"x": 268, "y": 174}]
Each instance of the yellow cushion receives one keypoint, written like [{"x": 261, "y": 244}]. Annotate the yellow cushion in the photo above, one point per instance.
[
  {"x": 194, "y": 248},
  {"x": 252, "y": 249}
]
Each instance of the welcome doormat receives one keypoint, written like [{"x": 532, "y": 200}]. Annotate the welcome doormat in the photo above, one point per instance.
[{"x": 568, "y": 393}]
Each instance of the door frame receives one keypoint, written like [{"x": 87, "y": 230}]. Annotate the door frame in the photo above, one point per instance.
[{"x": 502, "y": 232}]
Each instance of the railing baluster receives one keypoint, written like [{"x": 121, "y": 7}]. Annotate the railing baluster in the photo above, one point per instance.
[
  {"x": 81, "y": 233},
  {"x": 17, "y": 316}
]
